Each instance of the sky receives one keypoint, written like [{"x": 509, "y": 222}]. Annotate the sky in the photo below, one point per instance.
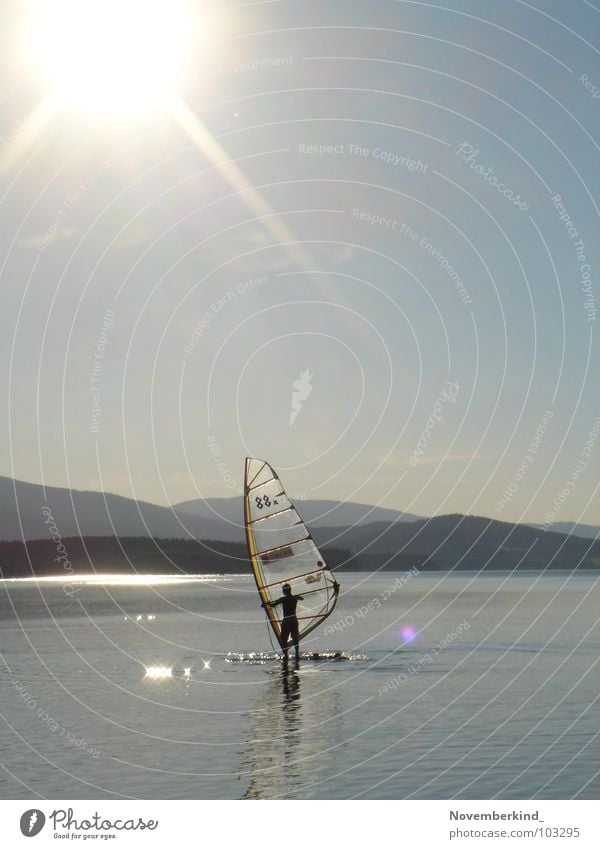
[{"x": 358, "y": 240}]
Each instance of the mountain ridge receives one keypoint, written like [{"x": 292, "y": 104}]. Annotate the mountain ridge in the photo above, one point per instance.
[{"x": 28, "y": 510}]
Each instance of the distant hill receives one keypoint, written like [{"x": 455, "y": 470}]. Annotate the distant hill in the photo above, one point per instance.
[
  {"x": 315, "y": 512},
  {"x": 85, "y": 513},
  {"x": 587, "y": 531},
  {"x": 443, "y": 542},
  {"x": 466, "y": 542},
  {"x": 82, "y": 513}
]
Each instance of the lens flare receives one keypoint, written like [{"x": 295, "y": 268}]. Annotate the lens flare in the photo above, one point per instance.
[{"x": 408, "y": 633}]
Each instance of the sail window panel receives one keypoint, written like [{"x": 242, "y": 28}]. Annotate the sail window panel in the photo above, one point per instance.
[
  {"x": 312, "y": 606},
  {"x": 276, "y": 579},
  {"x": 302, "y": 551},
  {"x": 280, "y": 522},
  {"x": 267, "y": 499},
  {"x": 259, "y": 473},
  {"x": 290, "y": 564},
  {"x": 308, "y": 607},
  {"x": 266, "y": 538}
]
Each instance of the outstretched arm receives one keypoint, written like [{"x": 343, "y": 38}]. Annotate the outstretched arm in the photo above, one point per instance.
[{"x": 272, "y": 603}]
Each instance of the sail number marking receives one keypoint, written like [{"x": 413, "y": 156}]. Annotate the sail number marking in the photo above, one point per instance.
[{"x": 265, "y": 501}]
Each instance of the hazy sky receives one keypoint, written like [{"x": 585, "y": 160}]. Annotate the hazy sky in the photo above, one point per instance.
[{"x": 427, "y": 338}]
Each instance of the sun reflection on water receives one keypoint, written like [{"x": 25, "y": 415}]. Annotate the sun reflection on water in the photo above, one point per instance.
[{"x": 157, "y": 672}]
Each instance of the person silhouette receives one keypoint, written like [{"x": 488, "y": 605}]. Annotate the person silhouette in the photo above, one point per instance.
[{"x": 289, "y": 623}]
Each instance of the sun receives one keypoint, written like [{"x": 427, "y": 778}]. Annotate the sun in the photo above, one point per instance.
[{"x": 110, "y": 56}]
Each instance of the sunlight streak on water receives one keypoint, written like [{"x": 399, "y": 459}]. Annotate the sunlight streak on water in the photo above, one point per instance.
[{"x": 126, "y": 580}]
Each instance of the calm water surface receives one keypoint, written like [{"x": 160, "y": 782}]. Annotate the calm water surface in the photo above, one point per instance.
[{"x": 463, "y": 686}]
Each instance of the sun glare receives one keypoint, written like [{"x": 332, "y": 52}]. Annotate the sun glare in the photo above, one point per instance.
[
  {"x": 111, "y": 56},
  {"x": 158, "y": 672}
]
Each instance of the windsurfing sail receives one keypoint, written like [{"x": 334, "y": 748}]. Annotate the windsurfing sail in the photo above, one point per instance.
[{"x": 282, "y": 551}]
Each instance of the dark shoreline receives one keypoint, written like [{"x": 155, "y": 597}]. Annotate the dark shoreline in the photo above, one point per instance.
[{"x": 73, "y": 556}]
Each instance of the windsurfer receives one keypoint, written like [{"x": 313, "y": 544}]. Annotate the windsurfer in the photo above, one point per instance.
[{"x": 289, "y": 623}]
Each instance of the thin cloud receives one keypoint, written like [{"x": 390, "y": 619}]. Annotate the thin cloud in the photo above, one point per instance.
[{"x": 45, "y": 240}]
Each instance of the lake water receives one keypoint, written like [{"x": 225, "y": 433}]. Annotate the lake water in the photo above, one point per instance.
[{"x": 463, "y": 685}]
